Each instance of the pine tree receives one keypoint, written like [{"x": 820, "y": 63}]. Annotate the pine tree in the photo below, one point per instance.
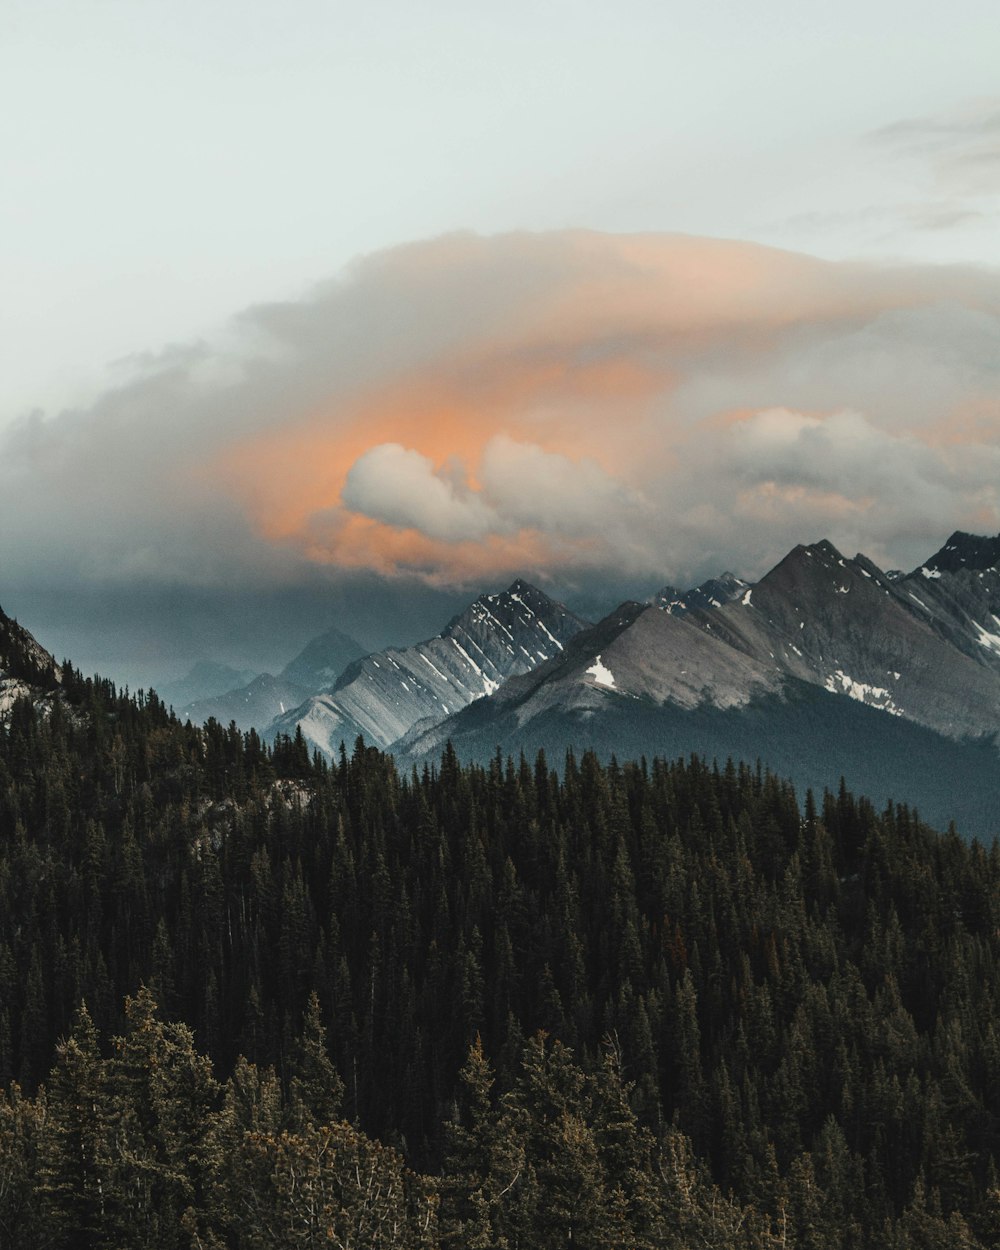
[
  {"x": 316, "y": 1090},
  {"x": 563, "y": 1198},
  {"x": 22, "y": 1127},
  {"x": 76, "y": 1151},
  {"x": 484, "y": 1162},
  {"x": 163, "y": 1094}
]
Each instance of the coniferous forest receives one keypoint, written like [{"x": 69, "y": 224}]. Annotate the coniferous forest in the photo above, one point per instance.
[{"x": 249, "y": 999}]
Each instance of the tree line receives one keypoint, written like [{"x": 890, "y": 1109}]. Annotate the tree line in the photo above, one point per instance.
[{"x": 654, "y": 1003}]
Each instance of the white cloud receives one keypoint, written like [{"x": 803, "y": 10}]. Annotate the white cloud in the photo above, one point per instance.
[
  {"x": 552, "y": 492},
  {"x": 400, "y": 486}
]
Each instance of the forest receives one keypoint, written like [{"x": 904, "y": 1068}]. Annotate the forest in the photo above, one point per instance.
[{"x": 252, "y": 999}]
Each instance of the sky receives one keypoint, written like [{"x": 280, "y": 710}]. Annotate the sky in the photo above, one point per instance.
[{"x": 319, "y": 314}]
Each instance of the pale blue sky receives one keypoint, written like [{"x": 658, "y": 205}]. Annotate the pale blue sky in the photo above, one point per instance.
[{"x": 166, "y": 164}]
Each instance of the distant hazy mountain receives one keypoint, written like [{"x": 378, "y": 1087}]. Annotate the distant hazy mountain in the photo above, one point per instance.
[
  {"x": 251, "y": 706},
  {"x": 205, "y": 680},
  {"x": 321, "y": 661},
  {"x": 382, "y": 696},
  {"x": 825, "y": 667},
  {"x": 257, "y": 700}
]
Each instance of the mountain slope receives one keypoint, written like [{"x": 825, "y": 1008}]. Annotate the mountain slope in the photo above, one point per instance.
[
  {"x": 251, "y": 706},
  {"x": 958, "y": 589},
  {"x": 383, "y": 696},
  {"x": 788, "y": 666},
  {"x": 843, "y": 625},
  {"x": 256, "y": 701},
  {"x": 27, "y": 670},
  {"x": 206, "y": 679},
  {"x": 321, "y": 661}
]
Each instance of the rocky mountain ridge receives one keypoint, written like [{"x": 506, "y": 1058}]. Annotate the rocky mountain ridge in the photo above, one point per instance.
[
  {"x": 919, "y": 647},
  {"x": 255, "y": 702},
  {"x": 827, "y": 662},
  {"x": 27, "y": 670},
  {"x": 384, "y": 696},
  {"x": 826, "y": 666},
  {"x": 711, "y": 594}
]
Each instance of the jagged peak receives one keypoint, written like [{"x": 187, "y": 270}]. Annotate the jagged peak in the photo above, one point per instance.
[
  {"x": 824, "y": 548},
  {"x": 669, "y": 592},
  {"x": 962, "y": 551},
  {"x": 822, "y": 551},
  {"x": 519, "y": 597},
  {"x": 519, "y": 586},
  {"x": 714, "y": 592},
  {"x": 519, "y": 589}
]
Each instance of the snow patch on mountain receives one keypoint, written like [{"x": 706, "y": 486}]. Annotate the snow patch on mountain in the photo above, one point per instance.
[
  {"x": 986, "y": 638},
  {"x": 601, "y": 674},
  {"x": 875, "y": 696}
]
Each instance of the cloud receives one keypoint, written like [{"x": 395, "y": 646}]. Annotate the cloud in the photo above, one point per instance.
[
  {"x": 931, "y": 187},
  {"x": 401, "y": 487},
  {"x": 975, "y": 128},
  {"x": 573, "y": 406},
  {"x": 553, "y": 493},
  {"x": 843, "y": 475},
  {"x": 523, "y": 487},
  {"x": 959, "y": 150}
]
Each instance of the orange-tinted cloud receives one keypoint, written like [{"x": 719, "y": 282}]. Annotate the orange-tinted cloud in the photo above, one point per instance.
[
  {"x": 579, "y": 347},
  {"x": 468, "y": 407}
]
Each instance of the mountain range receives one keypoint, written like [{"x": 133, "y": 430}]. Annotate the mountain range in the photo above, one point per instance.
[
  {"x": 254, "y": 700},
  {"x": 827, "y": 667},
  {"x": 205, "y": 679},
  {"x": 394, "y": 692}
]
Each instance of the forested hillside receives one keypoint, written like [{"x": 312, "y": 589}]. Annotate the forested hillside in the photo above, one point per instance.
[{"x": 653, "y": 1004}]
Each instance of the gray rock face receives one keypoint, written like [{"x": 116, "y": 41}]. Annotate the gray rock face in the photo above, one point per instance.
[
  {"x": 965, "y": 551},
  {"x": 924, "y": 648},
  {"x": 383, "y": 696},
  {"x": 843, "y": 625},
  {"x": 958, "y": 590},
  {"x": 27, "y": 670},
  {"x": 711, "y": 594}
]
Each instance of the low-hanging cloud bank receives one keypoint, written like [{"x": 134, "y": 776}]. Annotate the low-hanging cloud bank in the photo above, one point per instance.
[{"x": 562, "y": 405}]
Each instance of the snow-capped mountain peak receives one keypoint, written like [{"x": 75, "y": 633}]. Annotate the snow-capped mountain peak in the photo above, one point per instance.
[
  {"x": 382, "y": 696},
  {"x": 916, "y": 649}
]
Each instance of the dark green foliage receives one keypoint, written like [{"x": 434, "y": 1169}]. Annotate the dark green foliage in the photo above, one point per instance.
[
  {"x": 647, "y": 1005},
  {"x": 76, "y": 1154}
]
